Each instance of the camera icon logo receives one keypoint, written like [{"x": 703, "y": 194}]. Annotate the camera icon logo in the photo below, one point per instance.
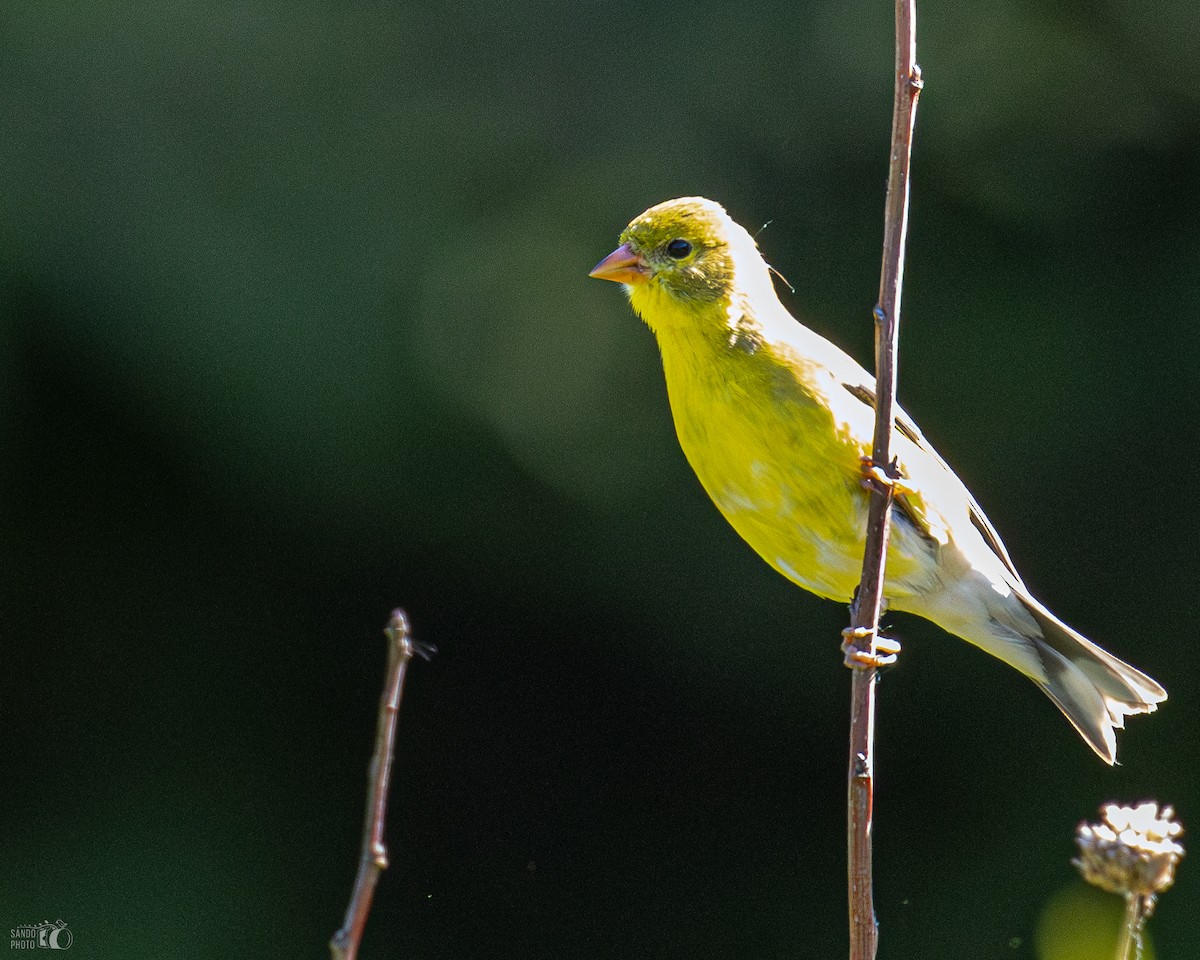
[{"x": 44, "y": 935}]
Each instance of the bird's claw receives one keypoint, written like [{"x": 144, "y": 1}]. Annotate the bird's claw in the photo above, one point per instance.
[
  {"x": 880, "y": 478},
  {"x": 881, "y": 653}
]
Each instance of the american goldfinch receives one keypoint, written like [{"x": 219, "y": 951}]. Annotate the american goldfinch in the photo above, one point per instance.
[{"x": 777, "y": 423}]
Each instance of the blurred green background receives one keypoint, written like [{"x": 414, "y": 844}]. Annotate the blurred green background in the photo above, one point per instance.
[{"x": 297, "y": 328}]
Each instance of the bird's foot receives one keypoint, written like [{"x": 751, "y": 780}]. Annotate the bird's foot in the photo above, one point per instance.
[
  {"x": 878, "y": 478},
  {"x": 880, "y": 653}
]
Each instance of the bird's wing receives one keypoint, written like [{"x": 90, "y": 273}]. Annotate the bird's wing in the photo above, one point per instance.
[{"x": 907, "y": 428}]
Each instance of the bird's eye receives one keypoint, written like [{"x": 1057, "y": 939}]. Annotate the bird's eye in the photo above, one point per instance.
[{"x": 678, "y": 249}]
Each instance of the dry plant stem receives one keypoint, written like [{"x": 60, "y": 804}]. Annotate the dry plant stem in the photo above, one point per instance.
[
  {"x": 1129, "y": 945},
  {"x": 864, "y": 931},
  {"x": 373, "y": 860}
]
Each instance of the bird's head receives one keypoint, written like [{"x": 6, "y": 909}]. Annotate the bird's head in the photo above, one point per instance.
[{"x": 683, "y": 260}]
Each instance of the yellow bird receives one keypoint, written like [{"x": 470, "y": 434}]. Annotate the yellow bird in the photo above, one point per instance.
[{"x": 777, "y": 422}]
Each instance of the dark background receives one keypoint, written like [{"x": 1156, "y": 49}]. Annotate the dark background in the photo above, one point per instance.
[{"x": 297, "y": 328}]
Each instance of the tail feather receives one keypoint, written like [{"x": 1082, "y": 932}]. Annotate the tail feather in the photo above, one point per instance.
[
  {"x": 1095, "y": 690},
  {"x": 1081, "y": 703}
]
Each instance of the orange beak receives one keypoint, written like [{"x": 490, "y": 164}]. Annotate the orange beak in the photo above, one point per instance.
[{"x": 622, "y": 266}]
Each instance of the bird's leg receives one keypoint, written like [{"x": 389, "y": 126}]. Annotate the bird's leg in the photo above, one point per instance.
[
  {"x": 876, "y": 477},
  {"x": 883, "y": 603},
  {"x": 885, "y": 649}
]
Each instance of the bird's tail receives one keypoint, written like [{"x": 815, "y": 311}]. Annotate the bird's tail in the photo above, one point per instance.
[{"x": 1095, "y": 690}]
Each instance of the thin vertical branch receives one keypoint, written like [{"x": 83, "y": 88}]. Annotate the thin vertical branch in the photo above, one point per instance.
[
  {"x": 373, "y": 859},
  {"x": 862, "y": 653}
]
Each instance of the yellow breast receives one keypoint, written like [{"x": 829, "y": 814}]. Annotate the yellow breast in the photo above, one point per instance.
[{"x": 777, "y": 443}]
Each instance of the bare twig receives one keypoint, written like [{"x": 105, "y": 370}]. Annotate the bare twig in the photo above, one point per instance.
[
  {"x": 862, "y": 653},
  {"x": 373, "y": 860}
]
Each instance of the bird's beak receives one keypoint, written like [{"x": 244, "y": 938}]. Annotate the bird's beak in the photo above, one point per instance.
[{"x": 622, "y": 266}]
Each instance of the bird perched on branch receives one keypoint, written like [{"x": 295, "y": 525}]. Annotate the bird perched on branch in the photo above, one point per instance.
[{"x": 777, "y": 422}]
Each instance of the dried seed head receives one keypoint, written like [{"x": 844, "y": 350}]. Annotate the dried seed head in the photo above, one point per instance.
[{"x": 1131, "y": 851}]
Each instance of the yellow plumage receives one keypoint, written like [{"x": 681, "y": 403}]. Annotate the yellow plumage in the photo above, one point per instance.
[{"x": 775, "y": 421}]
